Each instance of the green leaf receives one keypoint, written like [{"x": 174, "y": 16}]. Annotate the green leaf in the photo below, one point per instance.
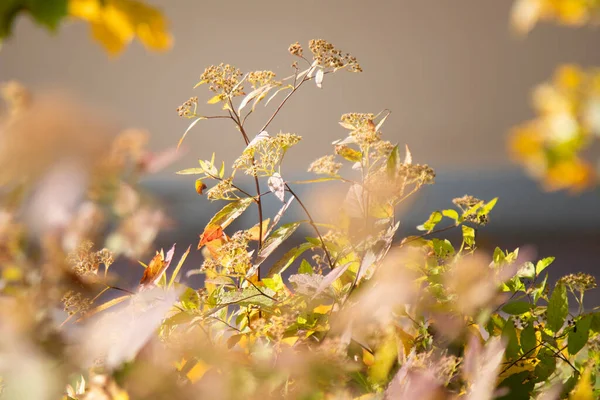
[
  {"x": 485, "y": 210},
  {"x": 190, "y": 171},
  {"x": 579, "y": 335},
  {"x": 543, "y": 264},
  {"x": 430, "y": 224},
  {"x": 453, "y": 214},
  {"x": 442, "y": 248},
  {"x": 48, "y": 13},
  {"x": 248, "y": 296},
  {"x": 547, "y": 364},
  {"x": 468, "y": 235},
  {"x": 595, "y": 326},
  {"x": 527, "y": 271},
  {"x": 519, "y": 387},
  {"x": 558, "y": 308},
  {"x": 305, "y": 268},
  {"x": 539, "y": 289},
  {"x": 288, "y": 258},
  {"x": 230, "y": 212},
  {"x": 509, "y": 333},
  {"x": 9, "y": 9},
  {"x": 275, "y": 283},
  {"x": 393, "y": 162},
  {"x": 528, "y": 339},
  {"x": 498, "y": 256},
  {"x": 517, "y": 307}
]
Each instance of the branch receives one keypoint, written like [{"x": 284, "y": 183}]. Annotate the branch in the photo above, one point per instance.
[{"x": 311, "y": 221}]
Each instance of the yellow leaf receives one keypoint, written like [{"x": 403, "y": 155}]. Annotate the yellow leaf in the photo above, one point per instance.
[
  {"x": 322, "y": 309},
  {"x": 385, "y": 356},
  {"x": 290, "y": 341},
  {"x": 197, "y": 371},
  {"x": 254, "y": 231},
  {"x": 116, "y": 22},
  {"x": 368, "y": 358},
  {"x": 215, "y": 99},
  {"x": 583, "y": 390},
  {"x": 406, "y": 339}
]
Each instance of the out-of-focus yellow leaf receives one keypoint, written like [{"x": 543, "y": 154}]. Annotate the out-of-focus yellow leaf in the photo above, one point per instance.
[
  {"x": 322, "y": 309},
  {"x": 116, "y": 22},
  {"x": 574, "y": 174},
  {"x": 197, "y": 371},
  {"x": 385, "y": 356},
  {"x": 290, "y": 341},
  {"x": 368, "y": 358},
  {"x": 583, "y": 390}
]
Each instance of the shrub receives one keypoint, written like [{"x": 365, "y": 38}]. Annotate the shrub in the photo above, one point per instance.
[{"x": 365, "y": 314}]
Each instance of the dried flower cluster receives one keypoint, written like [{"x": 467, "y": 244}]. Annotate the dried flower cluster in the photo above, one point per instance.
[
  {"x": 76, "y": 303},
  {"x": 223, "y": 79},
  {"x": 325, "y": 165},
  {"x": 188, "y": 108},
  {"x": 264, "y": 156},
  {"x": 328, "y": 56},
  {"x": 86, "y": 262},
  {"x": 223, "y": 190},
  {"x": 578, "y": 282},
  {"x": 262, "y": 78}
]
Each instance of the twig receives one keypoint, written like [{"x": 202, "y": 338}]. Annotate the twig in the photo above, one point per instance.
[
  {"x": 304, "y": 79},
  {"x": 311, "y": 221}
]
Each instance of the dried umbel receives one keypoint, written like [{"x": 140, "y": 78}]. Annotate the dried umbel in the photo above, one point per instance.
[
  {"x": 188, "y": 108},
  {"x": 223, "y": 190},
  {"x": 327, "y": 55},
  {"x": 578, "y": 282},
  {"x": 223, "y": 79},
  {"x": 295, "y": 49},
  {"x": 262, "y": 78},
  {"x": 262, "y": 157},
  {"x": 86, "y": 262},
  {"x": 76, "y": 303},
  {"x": 325, "y": 165}
]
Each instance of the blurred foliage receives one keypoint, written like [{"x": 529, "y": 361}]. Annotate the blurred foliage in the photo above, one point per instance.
[
  {"x": 365, "y": 314},
  {"x": 551, "y": 146},
  {"x": 113, "y": 23},
  {"x": 554, "y": 146},
  {"x": 526, "y": 13}
]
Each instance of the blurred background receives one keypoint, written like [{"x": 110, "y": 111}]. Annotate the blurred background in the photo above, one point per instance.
[{"x": 454, "y": 75}]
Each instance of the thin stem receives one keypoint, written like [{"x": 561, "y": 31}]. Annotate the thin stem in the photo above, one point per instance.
[
  {"x": 304, "y": 79},
  {"x": 232, "y": 184},
  {"x": 427, "y": 234},
  {"x": 236, "y": 119},
  {"x": 209, "y": 117},
  {"x": 311, "y": 221},
  {"x": 260, "y": 291},
  {"x": 224, "y": 322}
]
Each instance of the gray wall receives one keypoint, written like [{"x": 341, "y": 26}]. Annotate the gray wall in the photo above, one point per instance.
[{"x": 454, "y": 76}]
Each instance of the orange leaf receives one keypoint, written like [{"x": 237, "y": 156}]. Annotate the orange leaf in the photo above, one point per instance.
[
  {"x": 211, "y": 233},
  {"x": 157, "y": 267}
]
